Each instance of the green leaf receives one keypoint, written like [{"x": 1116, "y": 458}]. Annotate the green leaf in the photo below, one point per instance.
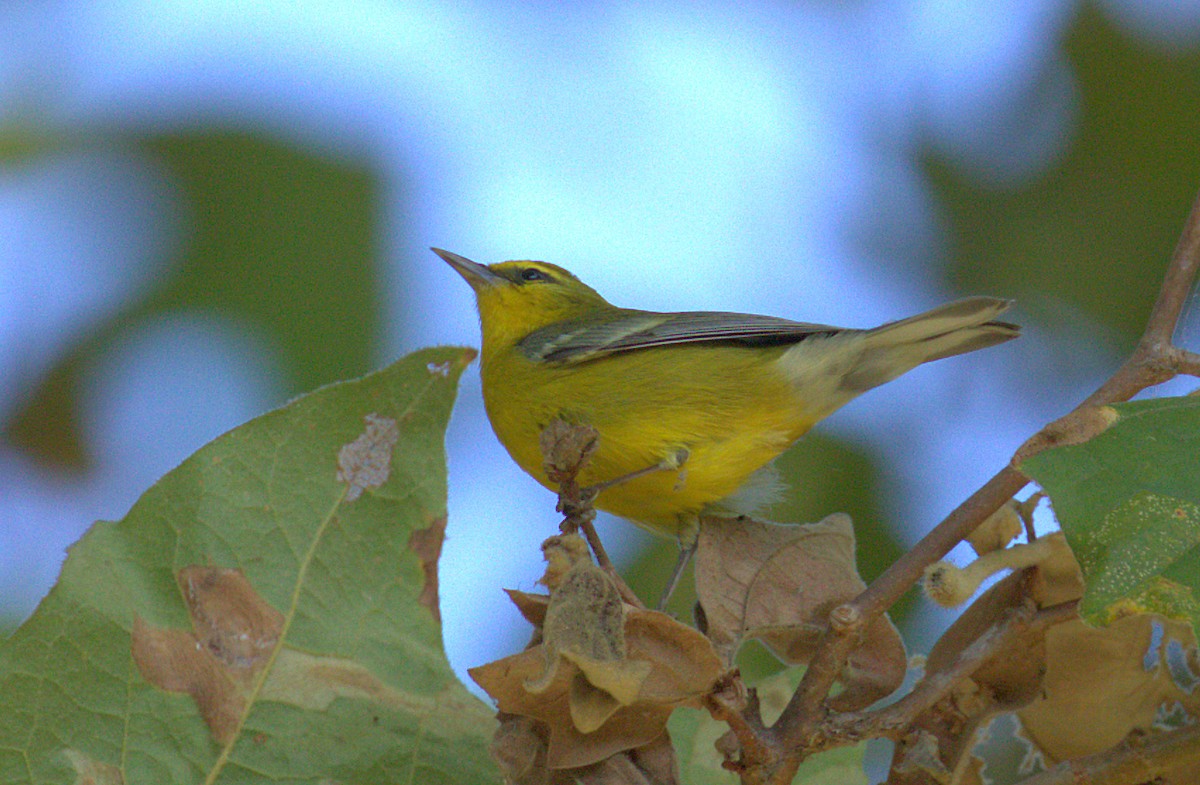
[
  {"x": 1129, "y": 503},
  {"x": 267, "y": 612}
]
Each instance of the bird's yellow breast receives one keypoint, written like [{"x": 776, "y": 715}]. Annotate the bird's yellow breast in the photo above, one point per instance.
[{"x": 731, "y": 408}]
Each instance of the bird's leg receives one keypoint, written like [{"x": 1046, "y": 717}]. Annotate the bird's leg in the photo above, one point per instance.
[
  {"x": 580, "y": 503},
  {"x": 688, "y": 539},
  {"x": 670, "y": 463}
]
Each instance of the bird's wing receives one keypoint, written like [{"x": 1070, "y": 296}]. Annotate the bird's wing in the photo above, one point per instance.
[{"x": 576, "y": 341}]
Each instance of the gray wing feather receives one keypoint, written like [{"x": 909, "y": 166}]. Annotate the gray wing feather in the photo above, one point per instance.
[{"x": 627, "y": 330}]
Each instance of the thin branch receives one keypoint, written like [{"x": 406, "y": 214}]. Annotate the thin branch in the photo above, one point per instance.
[
  {"x": 936, "y": 686},
  {"x": 730, "y": 702},
  {"x": 588, "y": 526},
  {"x": 567, "y": 449},
  {"x": 1177, "y": 283},
  {"x": 802, "y": 715},
  {"x": 1154, "y": 361},
  {"x": 1149, "y": 758}
]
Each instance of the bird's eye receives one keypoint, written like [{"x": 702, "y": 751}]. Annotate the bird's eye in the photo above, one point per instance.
[{"x": 533, "y": 274}]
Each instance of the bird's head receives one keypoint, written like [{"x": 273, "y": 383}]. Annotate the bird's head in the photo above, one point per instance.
[{"x": 516, "y": 298}]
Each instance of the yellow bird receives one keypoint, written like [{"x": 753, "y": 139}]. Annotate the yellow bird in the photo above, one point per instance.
[{"x": 711, "y": 397}]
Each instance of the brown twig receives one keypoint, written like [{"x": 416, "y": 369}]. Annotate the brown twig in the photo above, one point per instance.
[
  {"x": 567, "y": 449},
  {"x": 897, "y": 717},
  {"x": 588, "y": 526},
  {"x": 1142, "y": 759},
  {"x": 1152, "y": 362},
  {"x": 731, "y": 703}
]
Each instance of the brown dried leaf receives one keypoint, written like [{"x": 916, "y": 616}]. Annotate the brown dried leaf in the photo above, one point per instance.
[
  {"x": 1101, "y": 674},
  {"x": 532, "y": 606},
  {"x": 778, "y": 583},
  {"x": 998, "y": 529},
  {"x": 680, "y": 666},
  {"x": 1012, "y": 677},
  {"x": 519, "y": 747},
  {"x": 427, "y": 545},
  {"x": 567, "y": 747},
  {"x": 366, "y": 462},
  {"x": 651, "y": 764}
]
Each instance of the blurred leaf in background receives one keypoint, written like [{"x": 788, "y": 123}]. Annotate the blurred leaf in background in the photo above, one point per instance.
[
  {"x": 276, "y": 237},
  {"x": 1095, "y": 230}
]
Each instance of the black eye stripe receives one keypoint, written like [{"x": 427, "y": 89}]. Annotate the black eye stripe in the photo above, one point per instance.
[{"x": 533, "y": 274}]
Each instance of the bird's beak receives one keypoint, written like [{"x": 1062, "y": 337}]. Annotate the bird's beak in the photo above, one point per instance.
[{"x": 472, "y": 272}]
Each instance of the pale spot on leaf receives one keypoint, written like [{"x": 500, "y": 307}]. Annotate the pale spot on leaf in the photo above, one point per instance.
[
  {"x": 313, "y": 682},
  {"x": 92, "y": 772},
  {"x": 366, "y": 462},
  {"x": 440, "y": 369}
]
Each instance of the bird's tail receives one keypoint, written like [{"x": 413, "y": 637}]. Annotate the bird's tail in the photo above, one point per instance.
[{"x": 954, "y": 328}]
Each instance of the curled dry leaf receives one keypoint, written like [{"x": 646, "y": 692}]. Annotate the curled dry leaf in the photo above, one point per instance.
[
  {"x": 998, "y": 529},
  {"x": 585, "y": 625},
  {"x": 1121, "y": 678},
  {"x": 520, "y": 745},
  {"x": 778, "y": 583},
  {"x": 670, "y": 663}
]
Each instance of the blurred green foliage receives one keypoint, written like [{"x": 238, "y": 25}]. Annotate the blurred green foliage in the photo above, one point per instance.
[
  {"x": 1094, "y": 232},
  {"x": 282, "y": 239}
]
